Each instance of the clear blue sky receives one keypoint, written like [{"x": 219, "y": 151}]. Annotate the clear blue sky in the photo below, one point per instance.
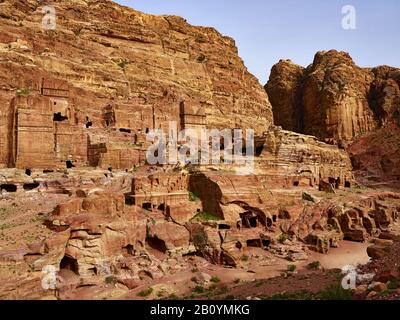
[{"x": 268, "y": 30}]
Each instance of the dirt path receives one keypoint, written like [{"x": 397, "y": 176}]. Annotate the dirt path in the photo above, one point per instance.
[{"x": 349, "y": 253}]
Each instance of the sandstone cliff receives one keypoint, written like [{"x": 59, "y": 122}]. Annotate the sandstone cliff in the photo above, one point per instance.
[
  {"x": 341, "y": 103},
  {"x": 285, "y": 93},
  {"x": 338, "y": 100},
  {"x": 118, "y": 61}
]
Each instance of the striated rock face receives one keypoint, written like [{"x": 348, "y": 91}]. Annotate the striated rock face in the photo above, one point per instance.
[
  {"x": 375, "y": 156},
  {"x": 335, "y": 98},
  {"x": 338, "y": 100},
  {"x": 122, "y": 70},
  {"x": 325, "y": 224},
  {"x": 285, "y": 94}
]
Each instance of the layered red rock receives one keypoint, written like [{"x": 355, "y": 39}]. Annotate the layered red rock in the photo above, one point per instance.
[
  {"x": 338, "y": 100},
  {"x": 285, "y": 94},
  {"x": 125, "y": 70}
]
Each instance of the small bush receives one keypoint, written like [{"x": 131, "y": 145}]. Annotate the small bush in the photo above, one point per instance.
[
  {"x": 291, "y": 268},
  {"x": 314, "y": 265},
  {"x": 385, "y": 293},
  {"x": 392, "y": 285},
  {"x": 200, "y": 240},
  {"x": 145, "y": 293},
  {"x": 205, "y": 216},
  {"x": 111, "y": 280},
  {"x": 195, "y": 270},
  {"x": 215, "y": 279},
  {"x": 236, "y": 281},
  {"x": 283, "y": 237},
  {"x": 123, "y": 63},
  {"x": 245, "y": 258},
  {"x": 334, "y": 292},
  {"x": 198, "y": 289}
]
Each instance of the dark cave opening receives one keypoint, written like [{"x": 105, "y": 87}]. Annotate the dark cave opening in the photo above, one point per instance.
[
  {"x": 68, "y": 263},
  {"x": 58, "y": 117},
  {"x": 8, "y": 187},
  {"x": 147, "y": 206},
  {"x": 69, "y": 164},
  {"x": 156, "y": 246},
  {"x": 30, "y": 186}
]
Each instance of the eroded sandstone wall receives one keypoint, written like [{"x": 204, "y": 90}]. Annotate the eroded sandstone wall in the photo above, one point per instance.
[
  {"x": 116, "y": 56},
  {"x": 338, "y": 101}
]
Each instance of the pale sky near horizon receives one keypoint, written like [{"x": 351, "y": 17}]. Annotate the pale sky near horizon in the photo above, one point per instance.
[{"x": 269, "y": 30}]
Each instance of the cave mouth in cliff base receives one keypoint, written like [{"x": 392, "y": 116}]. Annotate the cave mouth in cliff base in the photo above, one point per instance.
[
  {"x": 129, "y": 201},
  {"x": 147, "y": 206},
  {"x": 156, "y": 246},
  {"x": 266, "y": 243},
  {"x": 8, "y": 187},
  {"x": 58, "y": 117},
  {"x": 69, "y": 164},
  {"x": 31, "y": 186},
  {"x": 68, "y": 263}
]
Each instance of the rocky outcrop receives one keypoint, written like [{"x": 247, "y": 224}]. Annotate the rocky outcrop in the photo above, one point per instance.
[
  {"x": 375, "y": 157},
  {"x": 338, "y": 101},
  {"x": 325, "y": 224},
  {"x": 122, "y": 73},
  {"x": 285, "y": 94}
]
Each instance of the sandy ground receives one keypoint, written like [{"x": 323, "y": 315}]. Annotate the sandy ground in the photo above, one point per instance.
[
  {"x": 349, "y": 253},
  {"x": 232, "y": 280}
]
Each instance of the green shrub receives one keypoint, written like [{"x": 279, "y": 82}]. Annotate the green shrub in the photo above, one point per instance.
[
  {"x": 200, "y": 240},
  {"x": 123, "y": 63},
  {"x": 283, "y": 237},
  {"x": 145, "y": 293},
  {"x": 392, "y": 285},
  {"x": 111, "y": 280},
  {"x": 245, "y": 258},
  {"x": 291, "y": 268},
  {"x": 385, "y": 293},
  {"x": 198, "y": 289},
  {"x": 205, "y": 216},
  {"x": 314, "y": 265},
  {"x": 334, "y": 292},
  {"x": 215, "y": 279},
  {"x": 195, "y": 270}
]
